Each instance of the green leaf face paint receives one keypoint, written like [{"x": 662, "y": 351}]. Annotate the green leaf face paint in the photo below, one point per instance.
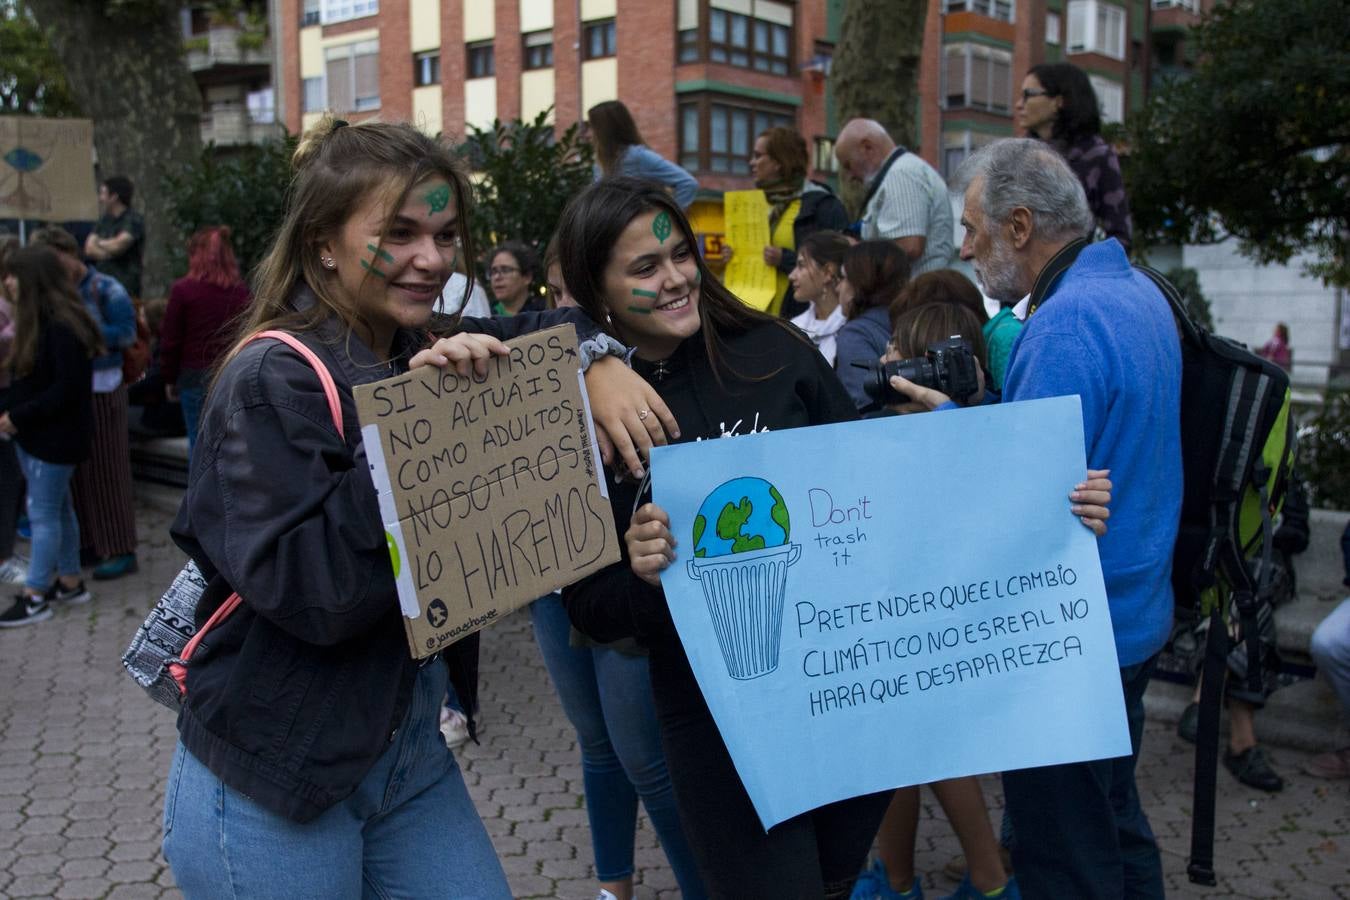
[
  {"x": 661, "y": 226},
  {"x": 372, "y": 265},
  {"x": 437, "y": 199}
]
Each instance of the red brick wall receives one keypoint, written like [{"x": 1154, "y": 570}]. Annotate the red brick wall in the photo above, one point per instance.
[
  {"x": 645, "y": 38},
  {"x": 288, "y": 82},
  {"x": 396, "y": 70},
  {"x": 930, "y": 86},
  {"x": 566, "y": 64},
  {"x": 508, "y": 51},
  {"x": 453, "y": 67}
]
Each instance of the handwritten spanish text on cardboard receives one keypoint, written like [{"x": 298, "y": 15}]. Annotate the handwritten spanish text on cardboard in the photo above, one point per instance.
[{"x": 490, "y": 488}]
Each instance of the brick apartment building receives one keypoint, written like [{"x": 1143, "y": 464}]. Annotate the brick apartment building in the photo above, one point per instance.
[{"x": 702, "y": 77}]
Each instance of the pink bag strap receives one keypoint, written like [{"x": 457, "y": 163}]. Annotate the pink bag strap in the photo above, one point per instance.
[
  {"x": 178, "y": 668},
  {"x": 325, "y": 377}
]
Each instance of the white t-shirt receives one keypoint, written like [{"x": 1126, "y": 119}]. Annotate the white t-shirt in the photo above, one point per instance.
[
  {"x": 821, "y": 331},
  {"x": 453, "y": 293}
]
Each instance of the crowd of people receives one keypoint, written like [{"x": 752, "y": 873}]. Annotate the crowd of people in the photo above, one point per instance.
[{"x": 311, "y": 738}]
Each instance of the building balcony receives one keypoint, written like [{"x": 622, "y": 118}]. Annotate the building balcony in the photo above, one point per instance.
[
  {"x": 228, "y": 48},
  {"x": 235, "y": 127}
]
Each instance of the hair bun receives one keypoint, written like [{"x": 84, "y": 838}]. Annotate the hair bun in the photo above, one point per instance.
[{"x": 314, "y": 139}]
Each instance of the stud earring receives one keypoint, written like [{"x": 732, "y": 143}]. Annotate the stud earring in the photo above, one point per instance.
[{"x": 327, "y": 262}]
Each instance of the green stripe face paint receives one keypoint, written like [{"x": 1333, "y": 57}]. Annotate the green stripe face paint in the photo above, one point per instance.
[
  {"x": 372, "y": 265},
  {"x": 640, "y": 310},
  {"x": 638, "y": 292}
]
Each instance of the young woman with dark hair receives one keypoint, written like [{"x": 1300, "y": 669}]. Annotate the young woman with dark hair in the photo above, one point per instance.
[
  {"x": 513, "y": 271},
  {"x": 874, "y": 274},
  {"x": 1059, "y": 106},
  {"x": 817, "y": 275},
  {"x": 620, "y": 150},
  {"x": 49, "y": 415},
  {"x": 199, "y": 321},
  {"x": 630, "y": 259}
]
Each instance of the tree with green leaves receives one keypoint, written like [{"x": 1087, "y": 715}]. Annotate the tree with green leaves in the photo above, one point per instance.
[
  {"x": 245, "y": 190},
  {"x": 124, "y": 62},
  {"x": 525, "y": 174},
  {"x": 32, "y": 82},
  {"x": 1255, "y": 144}
]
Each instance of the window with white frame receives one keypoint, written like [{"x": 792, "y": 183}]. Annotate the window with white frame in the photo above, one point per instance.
[
  {"x": 1110, "y": 98},
  {"x": 342, "y": 10},
  {"x": 979, "y": 77},
  {"x": 1052, "y": 28},
  {"x": 352, "y": 72},
  {"x": 1003, "y": 10},
  {"x": 957, "y": 145},
  {"x": 314, "y": 97},
  {"x": 1192, "y": 5},
  {"x": 1096, "y": 27},
  {"x": 311, "y": 13},
  {"x": 716, "y": 135}
]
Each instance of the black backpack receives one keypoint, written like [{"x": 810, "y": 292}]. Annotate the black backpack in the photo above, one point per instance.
[{"x": 1237, "y": 449}]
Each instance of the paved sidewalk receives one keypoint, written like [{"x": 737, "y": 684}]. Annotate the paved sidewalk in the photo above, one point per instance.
[{"x": 83, "y": 754}]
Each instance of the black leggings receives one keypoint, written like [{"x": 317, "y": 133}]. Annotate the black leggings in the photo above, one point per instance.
[
  {"x": 11, "y": 497},
  {"x": 814, "y": 855}
]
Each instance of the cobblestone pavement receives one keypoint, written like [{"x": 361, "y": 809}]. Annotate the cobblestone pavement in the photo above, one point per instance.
[{"x": 83, "y": 754}]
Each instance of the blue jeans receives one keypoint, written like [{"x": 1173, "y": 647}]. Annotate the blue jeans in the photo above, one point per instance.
[
  {"x": 607, "y": 696},
  {"x": 409, "y": 829},
  {"x": 191, "y": 396},
  {"x": 56, "y": 533},
  {"x": 1080, "y": 830}
]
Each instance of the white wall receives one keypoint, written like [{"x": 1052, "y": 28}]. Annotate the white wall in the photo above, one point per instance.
[{"x": 1247, "y": 300}]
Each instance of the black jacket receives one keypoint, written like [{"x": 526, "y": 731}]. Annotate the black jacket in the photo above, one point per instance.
[
  {"x": 52, "y": 406},
  {"x": 797, "y": 388},
  {"x": 820, "y": 210},
  {"x": 294, "y": 697}
]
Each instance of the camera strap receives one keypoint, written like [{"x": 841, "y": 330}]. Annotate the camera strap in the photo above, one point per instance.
[{"x": 1049, "y": 277}]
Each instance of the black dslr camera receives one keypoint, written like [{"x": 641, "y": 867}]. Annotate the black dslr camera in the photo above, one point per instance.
[{"x": 949, "y": 366}]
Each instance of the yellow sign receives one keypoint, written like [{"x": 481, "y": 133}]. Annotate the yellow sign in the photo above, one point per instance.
[
  {"x": 748, "y": 276},
  {"x": 48, "y": 169}
]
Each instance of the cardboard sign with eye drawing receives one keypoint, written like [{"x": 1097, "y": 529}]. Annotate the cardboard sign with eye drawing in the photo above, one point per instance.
[{"x": 490, "y": 488}]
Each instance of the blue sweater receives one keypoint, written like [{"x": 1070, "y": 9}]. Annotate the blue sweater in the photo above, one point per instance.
[
  {"x": 1106, "y": 334},
  {"x": 862, "y": 339},
  {"x": 640, "y": 161}
]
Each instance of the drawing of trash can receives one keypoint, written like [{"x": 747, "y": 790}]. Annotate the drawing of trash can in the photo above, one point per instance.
[{"x": 742, "y": 563}]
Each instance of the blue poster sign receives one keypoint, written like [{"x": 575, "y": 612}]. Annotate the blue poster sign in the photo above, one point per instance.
[{"x": 892, "y": 602}]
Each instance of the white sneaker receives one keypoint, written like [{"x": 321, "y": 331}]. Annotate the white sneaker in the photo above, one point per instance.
[
  {"x": 14, "y": 570},
  {"x": 605, "y": 895},
  {"x": 454, "y": 727}
]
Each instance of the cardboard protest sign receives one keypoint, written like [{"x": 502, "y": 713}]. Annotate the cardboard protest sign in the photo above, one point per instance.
[
  {"x": 748, "y": 276},
  {"x": 917, "y": 583},
  {"x": 490, "y": 488},
  {"x": 48, "y": 170}
]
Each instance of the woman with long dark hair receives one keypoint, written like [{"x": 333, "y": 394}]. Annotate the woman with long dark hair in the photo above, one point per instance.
[
  {"x": 620, "y": 150},
  {"x": 1059, "y": 106},
  {"x": 630, "y": 259},
  {"x": 49, "y": 414},
  {"x": 874, "y": 274},
  {"x": 199, "y": 321}
]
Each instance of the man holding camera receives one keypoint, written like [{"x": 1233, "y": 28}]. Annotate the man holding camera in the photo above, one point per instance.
[{"x": 1102, "y": 331}]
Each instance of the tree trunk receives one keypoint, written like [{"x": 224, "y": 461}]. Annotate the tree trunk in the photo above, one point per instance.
[
  {"x": 875, "y": 73},
  {"x": 124, "y": 62}
]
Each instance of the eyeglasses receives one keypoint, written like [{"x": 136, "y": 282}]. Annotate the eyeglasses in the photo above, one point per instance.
[
  {"x": 1028, "y": 93},
  {"x": 502, "y": 270}
]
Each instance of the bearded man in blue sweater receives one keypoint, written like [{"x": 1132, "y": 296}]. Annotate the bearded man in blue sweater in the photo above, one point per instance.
[{"x": 1102, "y": 331}]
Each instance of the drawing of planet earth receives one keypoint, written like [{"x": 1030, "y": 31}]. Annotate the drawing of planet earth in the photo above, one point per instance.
[{"x": 741, "y": 515}]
